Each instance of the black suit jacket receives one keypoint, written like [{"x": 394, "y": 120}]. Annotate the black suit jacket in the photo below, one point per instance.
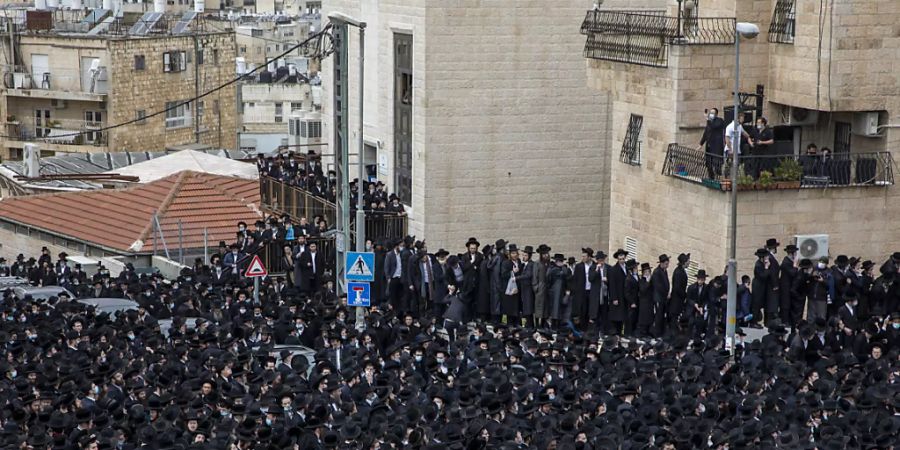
[
  {"x": 714, "y": 136},
  {"x": 616, "y": 283},
  {"x": 306, "y": 266},
  {"x": 659, "y": 281}
]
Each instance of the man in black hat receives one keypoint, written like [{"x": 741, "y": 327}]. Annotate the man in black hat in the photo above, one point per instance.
[
  {"x": 539, "y": 284},
  {"x": 761, "y": 281},
  {"x": 581, "y": 289},
  {"x": 697, "y": 295},
  {"x": 395, "y": 273},
  {"x": 772, "y": 287},
  {"x": 618, "y": 309},
  {"x": 312, "y": 269},
  {"x": 470, "y": 263},
  {"x": 788, "y": 272},
  {"x": 599, "y": 295},
  {"x": 679, "y": 287},
  {"x": 659, "y": 282},
  {"x": 840, "y": 272}
]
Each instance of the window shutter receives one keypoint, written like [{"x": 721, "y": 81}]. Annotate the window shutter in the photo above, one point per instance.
[
  {"x": 167, "y": 60},
  {"x": 183, "y": 62}
]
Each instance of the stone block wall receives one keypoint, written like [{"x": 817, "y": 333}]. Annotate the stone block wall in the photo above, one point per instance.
[{"x": 149, "y": 90}]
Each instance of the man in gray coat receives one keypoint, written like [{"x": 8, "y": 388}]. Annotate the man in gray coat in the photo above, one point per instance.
[{"x": 538, "y": 284}]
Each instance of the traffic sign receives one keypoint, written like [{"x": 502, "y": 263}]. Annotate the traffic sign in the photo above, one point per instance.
[
  {"x": 359, "y": 294},
  {"x": 360, "y": 266},
  {"x": 256, "y": 268}
]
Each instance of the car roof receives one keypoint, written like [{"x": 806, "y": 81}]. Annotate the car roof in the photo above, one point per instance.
[{"x": 107, "y": 302}]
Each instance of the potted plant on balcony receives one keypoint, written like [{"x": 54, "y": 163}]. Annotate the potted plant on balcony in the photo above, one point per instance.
[
  {"x": 744, "y": 181},
  {"x": 788, "y": 174},
  {"x": 725, "y": 176},
  {"x": 766, "y": 180},
  {"x": 11, "y": 118}
]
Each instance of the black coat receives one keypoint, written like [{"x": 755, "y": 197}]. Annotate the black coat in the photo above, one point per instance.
[
  {"x": 659, "y": 281},
  {"x": 646, "y": 305},
  {"x": 509, "y": 304},
  {"x": 616, "y": 289},
  {"x": 311, "y": 274},
  {"x": 525, "y": 279},
  {"x": 786, "y": 281},
  {"x": 469, "y": 288},
  {"x": 714, "y": 136},
  {"x": 679, "y": 292},
  {"x": 599, "y": 289},
  {"x": 579, "y": 294}
]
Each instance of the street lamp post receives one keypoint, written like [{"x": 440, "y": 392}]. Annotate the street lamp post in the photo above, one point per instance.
[{"x": 749, "y": 31}]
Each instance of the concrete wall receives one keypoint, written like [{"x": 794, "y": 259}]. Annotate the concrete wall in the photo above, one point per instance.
[
  {"x": 504, "y": 125},
  {"x": 850, "y": 66}
]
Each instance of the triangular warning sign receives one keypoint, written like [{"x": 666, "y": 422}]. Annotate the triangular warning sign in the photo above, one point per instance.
[
  {"x": 256, "y": 268},
  {"x": 360, "y": 268}
]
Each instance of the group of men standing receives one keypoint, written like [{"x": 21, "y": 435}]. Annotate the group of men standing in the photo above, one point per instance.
[{"x": 618, "y": 295}]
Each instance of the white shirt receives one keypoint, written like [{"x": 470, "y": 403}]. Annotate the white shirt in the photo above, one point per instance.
[
  {"x": 313, "y": 259},
  {"x": 398, "y": 272},
  {"x": 729, "y": 136},
  {"x": 587, "y": 274}
]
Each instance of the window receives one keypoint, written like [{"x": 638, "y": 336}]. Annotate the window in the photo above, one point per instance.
[
  {"x": 178, "y": 114},
  {"x": 200, "y": 112},
  {"x": 279, "y": 112},
  {"x": 311, "y": 129},
  {"x": 243, "y": 49},
  {"x": 841, "y": 138},
  {"x": 42, "y": 122},
  {"x": 174, "y": 61},
  {"x": 256, "y": 32},
  {"x": 139, "y": 62},
  {"x": 93, "y": 118},
  {"x": 295, "y": 106},
  {"x": 631, "y": 145},
  {"x": 140, "y": 116},
  {"x": 200, "y": 56},
  {"x": 403, "y": 113},
  {"x": 215, "y": 54},
  {"x": 784, "y": 20}
]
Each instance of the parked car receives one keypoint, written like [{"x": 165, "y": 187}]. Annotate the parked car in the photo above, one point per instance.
[
  {"x": 41, "y": 293},
  {"x": 109, "y": 305}
]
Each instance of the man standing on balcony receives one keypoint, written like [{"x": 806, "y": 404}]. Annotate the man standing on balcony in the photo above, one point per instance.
[
  {"x": 714, "y": 141},
  {"x": 729, "y": 135},
  {"x": 394, "y": 273}
]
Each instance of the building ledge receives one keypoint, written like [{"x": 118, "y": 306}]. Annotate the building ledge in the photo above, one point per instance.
[
  {"x": 59, "y": 147},
  {"x": 52, "y": 94}
]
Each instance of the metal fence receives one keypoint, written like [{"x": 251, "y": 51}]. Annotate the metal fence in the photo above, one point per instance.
[
  {"x": 272, "y": 254},
  {"x": 284, "y": 198},
  {"x": 281, "y": 197},
  {"x": 643, "y": 37},
  {"x": 782, "y": 27},
  {"x": 854, "y": 169}
]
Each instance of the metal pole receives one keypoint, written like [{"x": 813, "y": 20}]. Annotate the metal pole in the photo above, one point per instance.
[
  {"x": 180, "y": 243},
  {"x": 255, "y": 290},
  {"x": 162, "y": 237},
  {"x": 205, "y": 245},
  {"x": 360, "y": 214},
  {"x": 196, "y": 91},
  {"x": 731, "y": 309}
]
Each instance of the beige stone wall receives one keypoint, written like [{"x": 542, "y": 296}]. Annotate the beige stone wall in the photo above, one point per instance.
[
  {"x": 855, "y": 71},
  {"x": 507, "y": 139},
  {"x": 150, "y": 89}
]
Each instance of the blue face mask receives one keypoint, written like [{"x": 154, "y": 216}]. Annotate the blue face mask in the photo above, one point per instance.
[
  {"x": 896, "y": 325},
  {"x": 268, "y": 421}
]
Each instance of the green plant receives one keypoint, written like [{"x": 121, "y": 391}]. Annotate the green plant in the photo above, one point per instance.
[
  {"x": 766, "y": 180},
  {"x": 789, "y": 170},
  {"x": 11, "y": 118},
  {"x": 742, "y": 177}
]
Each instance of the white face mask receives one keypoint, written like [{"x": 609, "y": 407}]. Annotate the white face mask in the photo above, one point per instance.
[
  {"x": 820, "y": 265},
  {"x": 711, "y": 116}
]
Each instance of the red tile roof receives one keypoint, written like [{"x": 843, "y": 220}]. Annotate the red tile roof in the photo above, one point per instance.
[{"x": 117, "y": 218}]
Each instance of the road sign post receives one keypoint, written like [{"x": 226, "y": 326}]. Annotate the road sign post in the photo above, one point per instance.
[{"x": 256, "y": 270}]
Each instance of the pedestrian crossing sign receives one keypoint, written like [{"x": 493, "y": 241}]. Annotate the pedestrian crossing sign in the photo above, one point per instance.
[{"x": 360, "y": 266}]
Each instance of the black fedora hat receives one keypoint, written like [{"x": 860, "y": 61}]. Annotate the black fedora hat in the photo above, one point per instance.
[
  {"x": 645, "y": 266},
  {"x": 761, "y": 252},
  {"x": 512, "y": 248},
  {"x": 663, "y": 258},
  {"x": 684, "y": 257},
  {"x": 471, "y": 241},
  {"x": 620, "y": 252},
  {"x": 791, "y": 248},
  {"x": 600, "y": 254},
  {"x": 559, "y": 257},
  {"x": 772, "y": 242},
  {"x": 631, "y": 264},
  {"x": 528, "y": 249},
  {"x": 543, "y": 248}
]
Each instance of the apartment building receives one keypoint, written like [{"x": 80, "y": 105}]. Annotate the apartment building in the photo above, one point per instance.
[
  {"x": 72, "y": 74},
  {"x": 269, "y": 107},
  {"x": 820, "y": 73},
  {"x": 259, "y": 39},
  {"x": 478, "y": 115}
]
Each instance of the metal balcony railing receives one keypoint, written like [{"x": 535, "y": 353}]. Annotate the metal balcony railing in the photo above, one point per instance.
[
  {"x": 783, "y": 26},
  {"x": 281, "y": 198},
  {"x": 643, "y": 37},
  {"x": 846, "y": 170},
  {"x": 60, "y": 131}
]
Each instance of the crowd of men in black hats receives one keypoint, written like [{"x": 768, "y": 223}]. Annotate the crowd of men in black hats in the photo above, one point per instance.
[
  {"x": 566, "y": 359},
  {"x": 307, "y": 173}
]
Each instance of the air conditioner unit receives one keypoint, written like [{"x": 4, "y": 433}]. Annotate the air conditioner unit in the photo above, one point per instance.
[
  {"x": 796, "y": 116},
  {"x": 58, "y": 103},
  {"x": 812, "y": 246},
  {"x": 865, "y": 124}
]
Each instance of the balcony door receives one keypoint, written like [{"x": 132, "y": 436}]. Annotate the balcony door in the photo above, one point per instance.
[
  {"x": 42, "y": 122},
  {"x": 40, "y": 71}
]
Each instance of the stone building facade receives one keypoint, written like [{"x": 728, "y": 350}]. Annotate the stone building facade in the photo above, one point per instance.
[
  {"x": 817, "y": 88},
  {"x": 67, "y": 87},
  {"x": 505, "y": 138}
]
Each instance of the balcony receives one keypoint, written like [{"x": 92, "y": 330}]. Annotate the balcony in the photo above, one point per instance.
[
  {"x": 61, "y": 135},
  {"x": 643, "y": 37},
  {"x": 780, "y": 172},
  {"x": 58, "y": 85}
]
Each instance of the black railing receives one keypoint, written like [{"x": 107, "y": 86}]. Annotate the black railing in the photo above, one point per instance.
[
  {"x": 854, "y": 169},
  {"x": 782, "y": 28},
  {"x": 272, "y": 254},
  {"x": 643, "y": 37}
]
